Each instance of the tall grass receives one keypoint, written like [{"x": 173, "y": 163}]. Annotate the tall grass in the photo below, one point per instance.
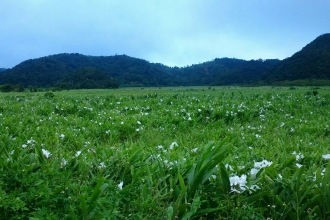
[{"x": 170, "y": 153}]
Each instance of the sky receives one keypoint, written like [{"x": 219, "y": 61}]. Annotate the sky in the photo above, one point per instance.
[{"x": 172, "y": 32}]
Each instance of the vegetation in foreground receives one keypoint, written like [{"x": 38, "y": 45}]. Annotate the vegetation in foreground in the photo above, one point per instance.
[{"x": 217, "y": 153}]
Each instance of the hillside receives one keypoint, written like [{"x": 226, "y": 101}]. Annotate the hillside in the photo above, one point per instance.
[
  {"x": 62, "y": 70},
  {"x": 312, "y": 62},
  {"x": 229, "y": 71},
  {"x": 2, "y": 69}
]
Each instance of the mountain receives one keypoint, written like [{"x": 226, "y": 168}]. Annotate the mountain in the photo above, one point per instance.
[
  {"x": 55, "y": 69},
  {"x": 81, "y": 71},
  {"x": 312, "y": 62},
  {"x": 229, "y": 71},
  {"x": 2, "y": 69},
  {"x": 61, "y": 69}
]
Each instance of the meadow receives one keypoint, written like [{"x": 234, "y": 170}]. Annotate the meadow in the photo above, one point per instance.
[{"x": 166, "y": 153}]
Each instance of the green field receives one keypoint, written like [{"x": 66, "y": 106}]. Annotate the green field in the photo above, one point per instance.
[{"x": 166, "y": 153}]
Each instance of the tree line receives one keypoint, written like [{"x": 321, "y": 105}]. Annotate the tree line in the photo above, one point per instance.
[{"x": 77, "y": 71}]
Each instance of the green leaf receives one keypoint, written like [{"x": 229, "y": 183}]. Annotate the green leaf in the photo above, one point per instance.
[
  {"x": 83, "y": 207},
  {"x": 40, "y": 155},
  {"x": 199, "y": 173},
  {"x": 256, "y": 197},
  {"x": 182, "y": 209},
  {"x": 170, "y": 213},
  {"x": 224, "y": 178},
  {"x": 181, "y": 182}
]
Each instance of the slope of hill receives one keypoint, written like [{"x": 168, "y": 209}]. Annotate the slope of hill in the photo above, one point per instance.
[
  {"x": 229, "y": 71},
  {"x": 59, "y": 69},
  {"x": 312, "y": 62},
  {"x": 2, "y": 69},
  {"x": 54, "y": 69}
]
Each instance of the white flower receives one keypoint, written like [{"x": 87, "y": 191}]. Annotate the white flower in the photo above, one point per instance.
[
  {"x": 64, "y": 162},
  {"x": 238, "y": 184},
  {"x": 228, "y": 167},
  {"x": 46, "y": 153},
  {"x": 254, "y": 187},
  {"x": 194, "y": 150},
  {"x": 174, "y": 144},
  {"x": 62, "y": 136},
  {"x": 298, "y": 165},
  {"x": 326, "y": 156},
  {"x": 31, "y": 141},
  {"x": 107, "y": 131},
  {"x": 102, "y": 165},
  {"x": 259, "y": 165},
  {"x": 298, "y": 156},
  {"x": 138, "y": 122},
  {"x": 236, "y": 180},
  {"x": 262, "y": 164},
  {"x": 78, "y": 153},
  {"x": 24, "y": 145},
  {"x": 254, "y": 171},
  {"x": 120, "y": 185},
  {"x": 160, "y": 147}
]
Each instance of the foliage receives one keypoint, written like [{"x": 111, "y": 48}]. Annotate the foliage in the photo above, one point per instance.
[
  {"x": 169, "y": 153},
  {"x": 88, "y": 78},
  {"x": 66, "y": 71},
  {"x": 6, "y": 88},
  {"x": 49, "y": 95},
  {"x": 312, "y": 62},
  {"x": 11, "y": 88},
  {"x": 310, "y": 66}
]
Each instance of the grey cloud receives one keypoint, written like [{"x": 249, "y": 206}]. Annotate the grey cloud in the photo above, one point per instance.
[{"x": 170, "y": 32}]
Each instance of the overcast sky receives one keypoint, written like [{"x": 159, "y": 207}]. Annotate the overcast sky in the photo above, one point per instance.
[{"x": 172, "y": 32}]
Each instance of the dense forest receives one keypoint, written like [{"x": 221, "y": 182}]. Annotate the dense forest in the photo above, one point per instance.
[
  {"x": 312, "y": 62},
  {"x": 76, "y": 71}
]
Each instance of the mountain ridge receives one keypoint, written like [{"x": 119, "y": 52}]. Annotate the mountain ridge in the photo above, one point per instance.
[{"x": 311, "y": 62}]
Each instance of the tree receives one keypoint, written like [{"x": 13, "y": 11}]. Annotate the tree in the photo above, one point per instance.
[{"x": 6, "y": 88}]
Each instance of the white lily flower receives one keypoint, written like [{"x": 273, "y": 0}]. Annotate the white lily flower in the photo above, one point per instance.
[
  {"x": 120, "y": 185},
  {"x": 46, "y": 153}
]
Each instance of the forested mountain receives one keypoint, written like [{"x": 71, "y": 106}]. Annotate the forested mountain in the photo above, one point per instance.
[
  {"x": 62, "y": 69},
  {"x": 312, "y": 62},
  {"x": 2, "y": 69},
  {"x": 57, "y": 69},
  {"x": 228, "y": 71},
  {"x": 80, "y": 71}
]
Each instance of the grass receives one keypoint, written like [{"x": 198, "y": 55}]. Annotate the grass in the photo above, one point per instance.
[{"x": 166, "y": 153}]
